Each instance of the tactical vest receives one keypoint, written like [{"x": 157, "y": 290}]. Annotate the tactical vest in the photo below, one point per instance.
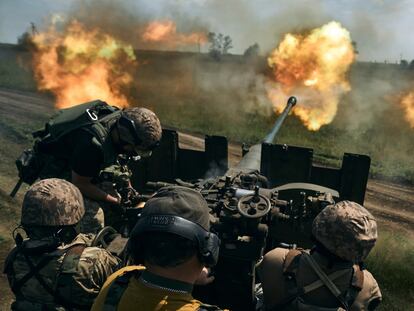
[
  {"x": 60, "y": 290},
  {"x": 95, "y": 117},
  {"x": 295, "y": 300}
]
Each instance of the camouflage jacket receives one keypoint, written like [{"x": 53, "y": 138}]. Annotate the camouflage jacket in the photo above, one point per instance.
[{"x": 76, "y": 276}]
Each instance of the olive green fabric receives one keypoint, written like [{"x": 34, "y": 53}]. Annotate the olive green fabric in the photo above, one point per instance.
[
  {"x": 99, "y": 214},
  {"x": 95, "y": 117},
  {"x": 83, "y": 277},
  {"x": 179, "y": 201},
  {"x": 276, "y": 284}
]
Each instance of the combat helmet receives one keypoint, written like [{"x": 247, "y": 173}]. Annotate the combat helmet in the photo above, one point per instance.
[
  {"x": 346, "y": 229},
  {"x": 141, "y": 128},
  {"x": 52, "y": 202}
]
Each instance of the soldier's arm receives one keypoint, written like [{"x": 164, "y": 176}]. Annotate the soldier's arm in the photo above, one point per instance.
[
  {"x": 90, "y": 190},
  {"x": 370, "y": 295},
  {"x": 94, "y": 267}
]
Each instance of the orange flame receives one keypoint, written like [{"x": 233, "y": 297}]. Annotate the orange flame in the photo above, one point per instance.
[
  {"x": 166, "y": 32},
  {"x": 313, "y": 67},
  {"x": 80, "y": 65},
  {"x": 407, "y": 102}
]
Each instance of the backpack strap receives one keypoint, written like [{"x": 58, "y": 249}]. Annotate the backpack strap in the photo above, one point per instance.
[
  {"x": 291, "y": 263},
  {"x": 326, "y": 280},
  {"x": 290, "y": 268},
  {"x": 33, "y": 269},
  {"x": 100, "y": 128},
  {"x": 116, "y": 290},
  {"x": 34, "y": 272},
  {"x": 64, "y": 279},
  {"x": 357, "y": 282}
]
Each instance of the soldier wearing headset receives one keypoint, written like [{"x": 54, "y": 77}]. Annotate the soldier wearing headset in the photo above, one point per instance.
[
  {"x": 82, "y": 140},
  {"x": 173, "y": 241}
]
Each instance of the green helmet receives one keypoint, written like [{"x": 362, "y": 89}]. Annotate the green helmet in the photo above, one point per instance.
[
  {"x": 346, "y": 229},
  {"x": 52, "y": 202}
]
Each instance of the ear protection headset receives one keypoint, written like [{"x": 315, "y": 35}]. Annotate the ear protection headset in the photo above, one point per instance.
[
  {"x": 129, "y": 124},
  {"x": 208, "y": 243}
]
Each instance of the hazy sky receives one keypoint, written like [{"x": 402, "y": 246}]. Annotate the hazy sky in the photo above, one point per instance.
[{"x": 383, "y": 29}]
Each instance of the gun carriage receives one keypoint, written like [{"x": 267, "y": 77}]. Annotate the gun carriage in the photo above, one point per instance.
[{"x": 268, "y": 199}]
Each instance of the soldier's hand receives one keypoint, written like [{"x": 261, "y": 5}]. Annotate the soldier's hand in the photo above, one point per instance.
[
  {"x": 131, "y": 198},
  {"x": 205, "y": 277}
]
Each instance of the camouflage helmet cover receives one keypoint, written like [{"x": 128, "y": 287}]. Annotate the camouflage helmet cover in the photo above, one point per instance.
[
  {"x": 52, "y": 202},
  {"x": 147, "y": 124},
  {"x": 346, "y": 229}
]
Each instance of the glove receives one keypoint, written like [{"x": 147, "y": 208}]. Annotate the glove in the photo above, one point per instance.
[{"x": 130, "y": 197}]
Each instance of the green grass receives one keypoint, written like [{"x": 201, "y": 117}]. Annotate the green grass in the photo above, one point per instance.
[
  {"x": 392, "y": 264},
  {"x": 14, "y": 70}
]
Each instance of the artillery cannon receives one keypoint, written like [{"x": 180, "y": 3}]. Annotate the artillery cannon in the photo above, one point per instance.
[{"x": 270, "y": 197}]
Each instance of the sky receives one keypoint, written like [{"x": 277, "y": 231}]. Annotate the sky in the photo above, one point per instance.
[{"x": 382, "y": 29}]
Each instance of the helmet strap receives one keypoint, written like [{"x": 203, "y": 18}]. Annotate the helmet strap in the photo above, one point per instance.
[{"x": 67, "y": 234}]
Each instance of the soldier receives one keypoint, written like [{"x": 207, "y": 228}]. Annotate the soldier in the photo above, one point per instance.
[
  {"x": 82, "y": 140},
  {"x": 172, "y": 238},
  {"x": 331, "y": 275},
  {"x": 55, "y": 268}
]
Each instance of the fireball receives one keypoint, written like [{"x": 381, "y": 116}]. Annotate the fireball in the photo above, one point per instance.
[
  {"x": 407, "y": 103},
  {"x": 79, "y": 65},
  {"x": 313, "y": 66},
  {"x": 166, "y": 32}
]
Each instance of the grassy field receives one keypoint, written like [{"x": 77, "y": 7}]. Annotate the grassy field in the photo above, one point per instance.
[
  {"x": 191, "y": 92},
  {"x": 392, "y": 262}
]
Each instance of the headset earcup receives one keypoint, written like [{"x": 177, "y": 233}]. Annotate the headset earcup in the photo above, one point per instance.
[
  {"x": 135, "y": 250},
  {"x": 209, "y": 250}
]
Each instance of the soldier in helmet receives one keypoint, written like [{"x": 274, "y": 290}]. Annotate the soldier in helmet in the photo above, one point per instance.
[
  {"x": 83, "y": 140},
  {"x": 331, "y": 275},
  {"x": 172, "y": 239},
  {"x": 55, "y": 268}
]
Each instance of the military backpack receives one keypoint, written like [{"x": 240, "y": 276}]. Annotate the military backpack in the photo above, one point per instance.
[{"x": 95, "y": 117}]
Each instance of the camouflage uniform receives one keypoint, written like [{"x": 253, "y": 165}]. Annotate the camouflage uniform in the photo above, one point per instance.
[
  {"x": 97, "y": 212},
  {"x": 346, "y": 230},
  {"x": 45, "y": 273}
]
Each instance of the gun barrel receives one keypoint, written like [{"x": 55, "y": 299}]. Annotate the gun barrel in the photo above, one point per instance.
[
  {"x": 251, "y": 159},
  {"x": 278, "y": 123}
]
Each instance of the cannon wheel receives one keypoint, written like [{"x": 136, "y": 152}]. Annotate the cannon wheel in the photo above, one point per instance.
[
  {"x": 101, "y": 238},
  {"x": 253, "y": 206}
]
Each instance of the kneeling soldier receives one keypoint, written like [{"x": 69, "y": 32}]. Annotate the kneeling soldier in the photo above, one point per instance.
[
  {"x": 55, "y": 269},
  {"x": 331, "y": 275}
]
